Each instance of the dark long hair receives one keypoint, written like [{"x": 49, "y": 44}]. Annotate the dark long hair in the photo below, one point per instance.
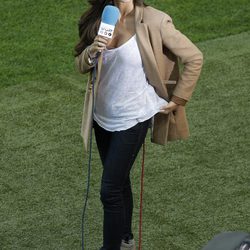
[{"x": 90, "y": 21}]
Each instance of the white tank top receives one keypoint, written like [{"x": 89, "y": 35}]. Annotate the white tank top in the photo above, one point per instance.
[{"x": 124, "y": 95}]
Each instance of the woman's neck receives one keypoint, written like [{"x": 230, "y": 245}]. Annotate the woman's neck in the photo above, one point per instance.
[{"x": 125, "y": 6}]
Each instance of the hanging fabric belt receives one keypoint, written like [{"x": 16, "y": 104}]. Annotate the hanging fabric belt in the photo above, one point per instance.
[{"x": 93, "y": 79}]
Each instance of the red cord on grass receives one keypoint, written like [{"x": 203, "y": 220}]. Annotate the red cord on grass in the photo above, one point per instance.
[{"x": 141, "y": 196}]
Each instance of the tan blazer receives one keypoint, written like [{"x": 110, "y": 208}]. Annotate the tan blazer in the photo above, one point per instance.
[{"x": 161, "y": 47}]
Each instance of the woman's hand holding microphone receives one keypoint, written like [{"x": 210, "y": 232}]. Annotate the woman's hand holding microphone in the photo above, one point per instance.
[
  {"x": 110, "y": 16},
  {"x": 97, "y": 46}
]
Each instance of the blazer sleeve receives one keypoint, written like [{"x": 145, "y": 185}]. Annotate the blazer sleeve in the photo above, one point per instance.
[
  {"x": 81, "y": 62},
  {"x": 190, "y": 56}
]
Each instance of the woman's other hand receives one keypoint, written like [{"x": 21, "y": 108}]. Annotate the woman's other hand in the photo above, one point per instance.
[
  {"x": 171, "y": 106},
  {"x": 97, "y": 46}
]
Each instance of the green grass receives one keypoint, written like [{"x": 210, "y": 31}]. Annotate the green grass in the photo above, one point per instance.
[
  {"x": 203, "y": 20},
  {"x": 193, "y": 188},
  {"x": 37, "y": 38}
]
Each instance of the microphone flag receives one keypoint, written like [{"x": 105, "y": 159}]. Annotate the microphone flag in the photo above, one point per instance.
[{"x": 110, "y": 16}]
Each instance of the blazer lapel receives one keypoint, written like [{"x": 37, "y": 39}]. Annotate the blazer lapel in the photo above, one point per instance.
[{"x": 147, "y": 54}]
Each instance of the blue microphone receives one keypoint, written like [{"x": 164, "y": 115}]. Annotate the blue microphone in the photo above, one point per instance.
[{"x": 110, "y": 16}]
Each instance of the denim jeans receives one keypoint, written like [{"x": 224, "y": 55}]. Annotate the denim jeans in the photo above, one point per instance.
[{"x": 118, "y": 151}]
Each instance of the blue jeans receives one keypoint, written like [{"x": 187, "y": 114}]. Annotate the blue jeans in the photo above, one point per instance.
[{"x": 118, "y": 151}]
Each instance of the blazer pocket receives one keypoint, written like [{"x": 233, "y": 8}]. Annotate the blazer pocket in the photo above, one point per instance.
[{"x": 160, "y": 128}]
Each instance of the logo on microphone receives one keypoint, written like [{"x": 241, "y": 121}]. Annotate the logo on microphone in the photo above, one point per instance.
[{"x": 106, "y": 30}]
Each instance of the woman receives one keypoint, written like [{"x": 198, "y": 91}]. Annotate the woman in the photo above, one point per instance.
[{"x": 137, "y": 85}]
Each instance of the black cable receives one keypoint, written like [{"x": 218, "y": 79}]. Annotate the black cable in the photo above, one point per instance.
[{"x": 90, "y": 153}]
